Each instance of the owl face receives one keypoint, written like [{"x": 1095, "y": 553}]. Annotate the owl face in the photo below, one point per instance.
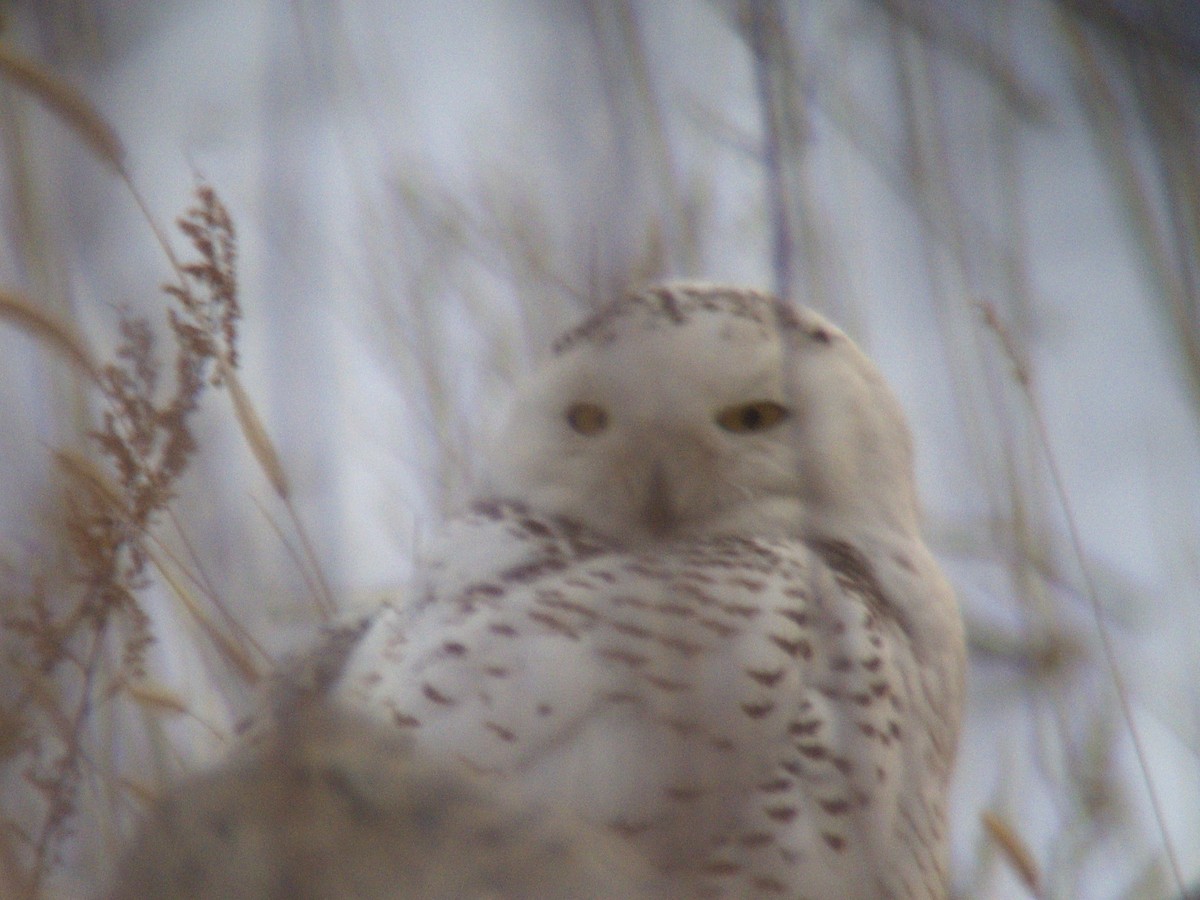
[{"x": 673, "y": 414}]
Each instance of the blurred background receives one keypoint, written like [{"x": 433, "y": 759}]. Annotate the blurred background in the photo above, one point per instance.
[{"x": 999, "y": 200}]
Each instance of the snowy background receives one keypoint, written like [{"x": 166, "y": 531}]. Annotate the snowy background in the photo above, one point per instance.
[{"x": 999, "y": 200}]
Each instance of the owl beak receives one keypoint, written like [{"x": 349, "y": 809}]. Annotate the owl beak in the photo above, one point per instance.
[{"x": 658, "y": 512}]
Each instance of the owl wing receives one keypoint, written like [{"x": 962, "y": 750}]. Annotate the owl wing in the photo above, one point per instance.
[{"x": 829, "y": 818}]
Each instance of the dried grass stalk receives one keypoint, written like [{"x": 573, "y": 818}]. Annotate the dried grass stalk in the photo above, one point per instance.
[
  {"x": 22, "y": 312},
  {"x": 1013, "y": 848},
  {"x": 156, "y": 697},
  {"x": 229, "y": 648},
  {"x": 68, "y": 104},
  {"x": 255, "y": 434},
  {"x": 88, "y": 474}
]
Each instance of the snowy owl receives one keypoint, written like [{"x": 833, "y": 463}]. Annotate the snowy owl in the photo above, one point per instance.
[{"x": 693, "y": 605}]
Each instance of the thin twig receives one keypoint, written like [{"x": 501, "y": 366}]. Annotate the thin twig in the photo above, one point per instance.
[
  {"x": 325, "y": 599},
  {"x": 316, "y": 588}
]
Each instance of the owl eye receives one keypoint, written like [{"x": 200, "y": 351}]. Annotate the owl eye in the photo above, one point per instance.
[
  {"x": 757, "y": 416},
  {"x": 587, "y": 418}
]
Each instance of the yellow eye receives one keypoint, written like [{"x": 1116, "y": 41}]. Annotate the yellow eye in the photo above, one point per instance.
[
  {"x": 757, "y": 416},
  {"x": 587, "y": 418}
]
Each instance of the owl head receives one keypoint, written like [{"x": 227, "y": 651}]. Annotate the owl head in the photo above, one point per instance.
[{"x": 689, "y": 409}]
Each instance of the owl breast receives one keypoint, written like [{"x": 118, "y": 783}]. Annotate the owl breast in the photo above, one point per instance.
[{"x": 733, "y": 706}]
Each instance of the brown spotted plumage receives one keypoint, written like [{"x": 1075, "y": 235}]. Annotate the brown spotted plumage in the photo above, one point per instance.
[{"x": 702, "y": 616}]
